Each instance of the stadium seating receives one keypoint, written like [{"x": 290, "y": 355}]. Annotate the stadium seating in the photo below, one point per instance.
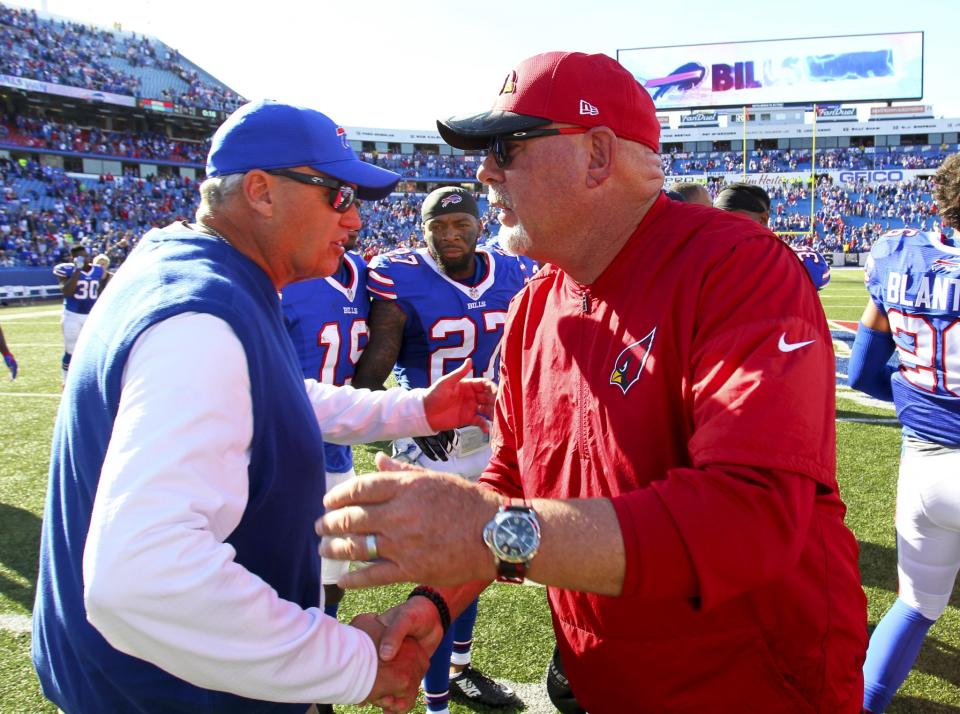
[
  {"x": 784, "y": 160},
  {"x": 44, "y": 210},
  {"x": 94, "y": 58}
]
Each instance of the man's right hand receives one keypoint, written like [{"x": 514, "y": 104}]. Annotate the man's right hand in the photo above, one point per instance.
[
  {"x": 435, "y": 447},
  {"x": 397, "y": 683}
]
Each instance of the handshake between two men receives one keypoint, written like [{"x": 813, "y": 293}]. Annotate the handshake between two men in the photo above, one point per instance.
[{"x": 409, "y": 521}]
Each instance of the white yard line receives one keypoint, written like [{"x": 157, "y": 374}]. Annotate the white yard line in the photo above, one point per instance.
[
  {"x": 50, "y": 312},
  {"x": 834, "y": 325},
  {"x": 30, "y": 394},
  {"x": 869, "y": 420},
  {"x": 15, "y": 623},
  {"x": 861, "y": 398}
]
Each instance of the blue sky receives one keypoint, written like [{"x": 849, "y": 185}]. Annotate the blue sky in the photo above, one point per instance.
[{"x": 402, "y": 64}]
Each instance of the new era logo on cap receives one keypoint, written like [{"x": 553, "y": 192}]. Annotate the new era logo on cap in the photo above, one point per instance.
[
  {"x": 451, "y": 199},
  {"x": 587, "y": 108}
]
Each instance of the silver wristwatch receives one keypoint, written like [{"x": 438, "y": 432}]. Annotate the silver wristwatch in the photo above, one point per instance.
[{"x": 513, "y": 536}]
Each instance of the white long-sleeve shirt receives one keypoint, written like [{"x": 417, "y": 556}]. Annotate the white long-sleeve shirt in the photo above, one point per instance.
[{"x": 160, "y": 583}]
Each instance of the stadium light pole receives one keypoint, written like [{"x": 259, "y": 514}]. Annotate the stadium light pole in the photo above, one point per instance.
[
  {"x": 813, "y": 177},
  {"x": 744, "y": 143}
]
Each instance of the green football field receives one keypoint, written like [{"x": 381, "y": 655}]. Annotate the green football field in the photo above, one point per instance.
[{"x": 513, "y": 638}]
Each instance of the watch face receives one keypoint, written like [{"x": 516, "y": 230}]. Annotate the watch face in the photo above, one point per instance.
[{"x": 515, "y": 539}]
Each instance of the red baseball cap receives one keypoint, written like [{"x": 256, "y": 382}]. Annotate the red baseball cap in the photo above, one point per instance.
[{"x": 565, "y": 87}]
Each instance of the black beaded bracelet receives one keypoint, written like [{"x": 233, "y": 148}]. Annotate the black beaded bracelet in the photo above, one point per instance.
[{"x": 438, "y": 601}]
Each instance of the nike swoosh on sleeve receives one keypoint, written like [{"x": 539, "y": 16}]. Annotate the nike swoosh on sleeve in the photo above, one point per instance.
[{"x": 785, "y": 346}]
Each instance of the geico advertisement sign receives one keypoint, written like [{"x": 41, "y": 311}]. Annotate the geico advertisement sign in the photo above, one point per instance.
[{"x": 870, "y": 176}]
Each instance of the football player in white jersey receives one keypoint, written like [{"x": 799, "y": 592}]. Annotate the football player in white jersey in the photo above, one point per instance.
[{"x": 914, "y": 283}]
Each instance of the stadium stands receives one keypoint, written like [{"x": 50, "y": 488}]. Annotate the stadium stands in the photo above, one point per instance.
[
  {"x": 43, "y": 210},
  {"x": 51, "y": 193},
  {"x": 35, "y": 131},
  {"x": 785, "y": 160},
  {"x": 78, "y": 55}
]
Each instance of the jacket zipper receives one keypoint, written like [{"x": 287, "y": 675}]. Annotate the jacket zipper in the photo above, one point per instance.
[{"x": 582, "y": 397}]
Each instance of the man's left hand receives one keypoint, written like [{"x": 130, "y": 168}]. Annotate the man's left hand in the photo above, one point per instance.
[
  {"x": 458, "y": 400},
  {"x": 428, "y": 527}
]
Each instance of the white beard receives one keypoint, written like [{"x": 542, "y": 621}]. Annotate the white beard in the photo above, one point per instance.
[{"x": 514, "y": 239}]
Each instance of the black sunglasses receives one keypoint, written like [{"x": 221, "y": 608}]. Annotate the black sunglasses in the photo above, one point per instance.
[
  {"x": 501, "y": 153},
  {"x": 342, "y": 195}
]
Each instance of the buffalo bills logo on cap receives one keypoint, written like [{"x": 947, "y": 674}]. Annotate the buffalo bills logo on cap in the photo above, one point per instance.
[
  {"x": 509, "y": 83},
  {"x": 342, "y": 133},
  {"x": 453, "y": 198},
  {"x": 628, "y": 366}
]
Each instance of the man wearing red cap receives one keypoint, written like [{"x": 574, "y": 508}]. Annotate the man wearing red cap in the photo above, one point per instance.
[{"x": 663, "y": 447}]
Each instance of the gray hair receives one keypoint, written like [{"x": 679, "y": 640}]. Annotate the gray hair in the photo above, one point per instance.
[{"x": 215, "y": 191}]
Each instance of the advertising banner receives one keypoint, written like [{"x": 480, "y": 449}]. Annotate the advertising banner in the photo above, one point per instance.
[
  {"x": 63, "y": 90},
  {"x": 850, "y": 68}
]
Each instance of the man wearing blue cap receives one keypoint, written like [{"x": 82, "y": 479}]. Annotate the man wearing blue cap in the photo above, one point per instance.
[{"x": 179, "y": 569}]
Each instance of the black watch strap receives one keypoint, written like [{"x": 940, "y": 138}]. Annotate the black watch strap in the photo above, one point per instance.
[{"x": 514, "y": 573}]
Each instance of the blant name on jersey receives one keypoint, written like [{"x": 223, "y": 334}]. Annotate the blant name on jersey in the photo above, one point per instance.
[
  {"x": 350, "y": 311},
  {"x": 476, "y": 305},
  {"x": 933, "y": 296}
]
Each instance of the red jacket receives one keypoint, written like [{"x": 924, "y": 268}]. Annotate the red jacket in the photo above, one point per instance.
[{"x": 692, "y": 384}]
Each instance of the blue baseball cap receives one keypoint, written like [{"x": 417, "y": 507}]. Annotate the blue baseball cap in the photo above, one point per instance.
[{"x": 272, "y": 135}]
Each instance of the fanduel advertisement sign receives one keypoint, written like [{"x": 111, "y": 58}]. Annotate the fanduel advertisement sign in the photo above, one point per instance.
[
  {"x": 851, "y": 68},
  {"x": 836, "y": 113},
  {"x": 699, "y": 118}
]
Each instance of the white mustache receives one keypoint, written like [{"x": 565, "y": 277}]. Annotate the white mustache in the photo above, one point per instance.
[{"x": 500, "y": 199}]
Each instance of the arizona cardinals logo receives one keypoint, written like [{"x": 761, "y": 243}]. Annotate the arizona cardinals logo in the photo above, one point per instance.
[
  {"x": 449, "y": 200},
  {"x": 629, "y": 363},
  {"x": 342, "y": 133},
  {"x": 509, "y": 83}
]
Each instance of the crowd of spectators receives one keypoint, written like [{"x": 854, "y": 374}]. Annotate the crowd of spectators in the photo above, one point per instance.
[
  {"x": 43, "y": 212},
  {"x": 74, "y": 54},
  {"x": 59, "y": 53},
  {"x": 787, "y": 160},
  {"x": 35, "y": 131},
  {"x": 43, "y": 133},
  {"x": 847, "y": 216},
  {"x": 427, "y": 166}
]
